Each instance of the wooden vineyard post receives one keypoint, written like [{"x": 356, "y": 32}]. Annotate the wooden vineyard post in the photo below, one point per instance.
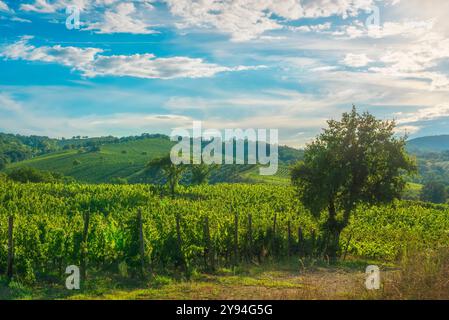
[
  {"x": 300, "y": 242},
  {"x": 250, "y": 236},
  {"x": 209, "y": 253},
  {"x": 236, "y": 238},
  {"x": 273, "y": 240},
  {"x": 84, "y": 248},
  {"x": 313, "y": 243},
  {"x": 10, "y": 268},
  {"x": 289, "y": 227},
  {"x": 141, "y": 241},
  {"x": 178, "y": 233}
]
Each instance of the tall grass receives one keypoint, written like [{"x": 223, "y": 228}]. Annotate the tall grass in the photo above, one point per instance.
[{"x": 423, "y": 275}]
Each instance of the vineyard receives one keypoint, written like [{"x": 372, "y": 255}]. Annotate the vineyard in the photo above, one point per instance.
[{"x": 134, "y": 228}]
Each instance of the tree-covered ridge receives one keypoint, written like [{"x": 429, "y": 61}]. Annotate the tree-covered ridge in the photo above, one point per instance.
[
  {"x": 16, "y": 147},
  {"x": 110, "y": 159}
]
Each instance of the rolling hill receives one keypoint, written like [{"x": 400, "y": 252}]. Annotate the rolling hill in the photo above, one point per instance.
[
  {"x": 429, "y": 144},
  {"x": 100, "y": 160},
  {"x": 118, "y": 160},
  {"x": 103, "y": 159}
]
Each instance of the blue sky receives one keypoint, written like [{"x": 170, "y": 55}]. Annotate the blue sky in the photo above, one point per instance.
[{"x": 152, "y": 66}]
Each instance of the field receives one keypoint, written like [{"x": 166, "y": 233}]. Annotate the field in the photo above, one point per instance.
[
  {"x": 203, "y": 230},
  {"x": 114, "y": 160}
]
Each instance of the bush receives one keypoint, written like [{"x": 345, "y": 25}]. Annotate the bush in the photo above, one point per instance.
[
  {"x": 119, "y": 181},
  {"x": 434, "y": 192},
  {"x": 27, "y": 174},
  {"x": 2, "y": 163},
  {"x": 3, "y": 176}
]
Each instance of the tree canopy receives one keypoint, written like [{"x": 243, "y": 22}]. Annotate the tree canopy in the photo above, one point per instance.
[{"x": 355, "y": 160}]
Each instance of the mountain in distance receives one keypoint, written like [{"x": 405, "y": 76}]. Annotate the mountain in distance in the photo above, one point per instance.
[{"x": 429, "y": 144}]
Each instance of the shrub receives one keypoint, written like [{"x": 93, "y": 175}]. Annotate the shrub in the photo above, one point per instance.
[{"x": 28, "y": 174}]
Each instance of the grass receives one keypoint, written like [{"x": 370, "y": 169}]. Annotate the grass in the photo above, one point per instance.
[
  {"x": 290, "y": 279},
  {"x": 421, "y": 274}
]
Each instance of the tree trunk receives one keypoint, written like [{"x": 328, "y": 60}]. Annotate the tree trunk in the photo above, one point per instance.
[
  {"x": 301, "y": 247},
  {"x": 333, "y": 230},
  {"x": 172, "y": 188}
]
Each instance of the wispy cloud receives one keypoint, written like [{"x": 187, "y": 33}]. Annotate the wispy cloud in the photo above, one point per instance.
[
  {"x": 91, "y": 63},
  {"x": 4, "y": 6},
  {"x": 123, "y": 18}
]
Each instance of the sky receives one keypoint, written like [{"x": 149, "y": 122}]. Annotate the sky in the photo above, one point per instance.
[{"x": 150, "y": 66}]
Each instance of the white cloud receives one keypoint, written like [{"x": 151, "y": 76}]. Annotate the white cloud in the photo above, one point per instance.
[
  {"x": 249, "y": 19},
  {"x": 312, "y": 28},
  {"x": 418, "y": 60},
  {"x": 46, "y": 6},
  {"x": 356, "y": 60},
  {"x": 424, "y": 114},
  {"x": 17, "y": 19},
  {"x": 74, "y": 57},
  {"x": 91, "y": 63},
  {"x": 388, "y": 29},
  {"x": 9, "y": 104},
  {"x": 4, "y": 6},
  {"x": 147, "y": 66},
  {"x": 122, "y": 19}
]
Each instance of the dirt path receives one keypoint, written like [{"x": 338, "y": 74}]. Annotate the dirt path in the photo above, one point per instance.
[{"x": 286, "y": 285}]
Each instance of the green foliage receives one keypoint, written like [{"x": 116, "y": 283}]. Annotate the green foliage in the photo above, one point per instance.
[
  {"x": 172, "y": 173},
  {"x": 2, "y": 163},
  {"x": 412, "y": 191},
  {"x": 355, "y": 160},
  {"x": 200, "y": 173},
  {"x": 14, "y": 148},
  {"x": 434, "y": 191},
  {"x": 119, "y": 181},
  {"x": 48, "y": 226},
  {"x": 33, "y": 175},
  {"x": 101, "y": 166},
  {"x": 76, "y": 162},
  {"x": 102, "y": 159}
]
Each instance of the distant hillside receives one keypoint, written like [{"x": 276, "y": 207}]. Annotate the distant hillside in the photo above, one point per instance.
[
  {"x": 429, "y": 144},
  {"x": 99, "y": 160},
  {"x": 113, "y": 160}
]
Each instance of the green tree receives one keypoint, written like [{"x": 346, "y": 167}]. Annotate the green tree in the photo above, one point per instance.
[
  {"x": 28, "y": 174},
  {"x": 2, "y": 163},
  {"x": 355, "y": 160},
  {"x": 172, "y": 173},
  {"x": 200, "y": 173},
  {"x": 434, "y": 191}
]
